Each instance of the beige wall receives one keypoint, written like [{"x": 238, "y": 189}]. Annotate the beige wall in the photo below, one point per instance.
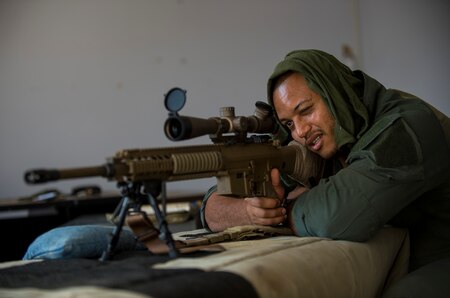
[{"x": 80, "y": 79}]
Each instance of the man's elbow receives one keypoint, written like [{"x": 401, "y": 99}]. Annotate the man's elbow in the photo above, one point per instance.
[{"x": 356, "y": 231}]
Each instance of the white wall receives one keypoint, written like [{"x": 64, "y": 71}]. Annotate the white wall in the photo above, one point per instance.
[
  {"x": 80, "y": 79},
  {"x": 406, "y": 45}
]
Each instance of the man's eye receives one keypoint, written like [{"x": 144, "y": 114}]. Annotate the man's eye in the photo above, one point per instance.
[
  {"x": 289, "y": 124},
  {"x": 306, "y": 110}
]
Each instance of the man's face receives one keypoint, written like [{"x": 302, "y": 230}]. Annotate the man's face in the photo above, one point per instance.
[{"x": 306, "y": 115}]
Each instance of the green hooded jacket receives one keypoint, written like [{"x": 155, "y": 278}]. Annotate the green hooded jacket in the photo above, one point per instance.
[{"x": 398, "y": 162}]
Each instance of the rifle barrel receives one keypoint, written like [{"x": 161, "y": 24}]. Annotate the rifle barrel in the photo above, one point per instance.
[{"x": 45, "y": 175}]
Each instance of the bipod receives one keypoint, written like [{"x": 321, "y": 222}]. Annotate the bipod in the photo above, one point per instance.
[
  {"x": 133, "y": 198},
  {"x": 153, "y": 190}
]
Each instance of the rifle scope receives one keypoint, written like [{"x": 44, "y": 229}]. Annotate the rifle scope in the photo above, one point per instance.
[{"x": 179, "y": 128}]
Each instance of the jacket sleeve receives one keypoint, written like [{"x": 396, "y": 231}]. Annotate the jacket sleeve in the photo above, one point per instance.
[
  {"x": 387, "y": 171},
  {"x": 202, "y": 208}
]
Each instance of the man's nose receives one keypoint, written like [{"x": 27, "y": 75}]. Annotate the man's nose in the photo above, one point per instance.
[{"x": 302, "y": 129}]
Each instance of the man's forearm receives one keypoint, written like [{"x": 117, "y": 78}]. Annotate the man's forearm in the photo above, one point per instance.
[{"x": 222, "y": 212}]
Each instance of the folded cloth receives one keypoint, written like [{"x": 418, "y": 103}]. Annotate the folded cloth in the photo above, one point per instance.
[{"x": 187, "y": 242}]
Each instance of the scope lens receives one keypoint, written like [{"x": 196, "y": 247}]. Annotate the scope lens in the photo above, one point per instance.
[{"x": 173, "y": 128}]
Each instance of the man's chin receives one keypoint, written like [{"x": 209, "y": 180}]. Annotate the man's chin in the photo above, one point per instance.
[{"x": 326, "y": 154}]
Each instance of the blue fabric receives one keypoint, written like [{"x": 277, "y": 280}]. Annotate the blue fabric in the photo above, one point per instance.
[{"x": 86, "y": 241}]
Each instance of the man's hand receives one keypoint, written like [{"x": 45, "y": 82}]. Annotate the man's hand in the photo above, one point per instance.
[
  {"x": 265, "y": 211},
  {"x": 268, "y": 211},
  {"x": 222, "y": 212}
]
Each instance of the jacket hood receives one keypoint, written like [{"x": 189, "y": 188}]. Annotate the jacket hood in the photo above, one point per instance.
[{"x": 340, "y": 88}]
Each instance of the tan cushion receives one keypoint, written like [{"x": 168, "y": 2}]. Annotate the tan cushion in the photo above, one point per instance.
[{"x": 290, "y": 266}]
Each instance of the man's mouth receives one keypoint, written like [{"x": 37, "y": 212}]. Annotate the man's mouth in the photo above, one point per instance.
[{"x": 314, "y": 142}]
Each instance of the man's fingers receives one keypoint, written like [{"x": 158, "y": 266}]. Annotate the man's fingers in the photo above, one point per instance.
[
  {"x": 261, "y": 216},
  {"x": 268, "y": 213},
  {"x": 276, "y": 183},
  {"x": 268, "y": 221},
  {"x": 265, "y": 203}
]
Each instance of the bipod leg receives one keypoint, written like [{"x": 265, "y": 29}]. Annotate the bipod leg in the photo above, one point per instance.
[
  {"x": 121, "y": 213},
  {"x": 153, "y": 190}
]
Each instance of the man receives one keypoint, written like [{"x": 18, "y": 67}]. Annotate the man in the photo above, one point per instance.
[{"x": 387, "y": 161}]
